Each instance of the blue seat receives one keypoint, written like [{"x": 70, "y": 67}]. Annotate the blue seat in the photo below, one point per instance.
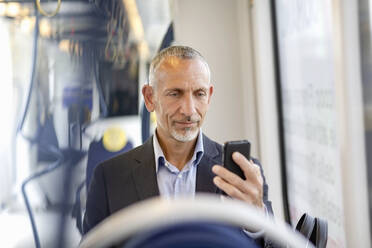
[
  {"x": 193, "y": 235},
  {"x": 201, "y": 221},
  {"x": 96, "y": 155}
]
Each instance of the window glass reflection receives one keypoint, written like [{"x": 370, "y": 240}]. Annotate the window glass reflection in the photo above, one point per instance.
[{"x": 70, "y": 98}]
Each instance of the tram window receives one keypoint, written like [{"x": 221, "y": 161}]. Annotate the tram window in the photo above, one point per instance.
[
  {"x": 305, "y": 45},
  {"x": 365, "y": 22},
  {"x": 61, "y": 83}
]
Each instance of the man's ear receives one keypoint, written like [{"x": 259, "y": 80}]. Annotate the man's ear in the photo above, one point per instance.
[
  {"x": 210, "y": 93},
  {"x": 148, "y": 96}
]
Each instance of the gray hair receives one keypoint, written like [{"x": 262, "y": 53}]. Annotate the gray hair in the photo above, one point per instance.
[{"x": 182, "y": 52}]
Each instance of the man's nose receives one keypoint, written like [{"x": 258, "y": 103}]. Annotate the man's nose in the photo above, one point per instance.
[{"x": 188, "y": 105}]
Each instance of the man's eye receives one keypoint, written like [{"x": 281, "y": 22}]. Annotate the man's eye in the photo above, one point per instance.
[
  {"x": 201, "y": 93},
  {"x": 173, "y": 94}
]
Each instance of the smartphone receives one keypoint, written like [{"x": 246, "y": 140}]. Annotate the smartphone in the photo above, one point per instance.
[{"x": 242, "y": 146}]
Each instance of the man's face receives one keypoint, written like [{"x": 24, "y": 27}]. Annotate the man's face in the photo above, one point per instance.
[{"x": 181, "y": 98}]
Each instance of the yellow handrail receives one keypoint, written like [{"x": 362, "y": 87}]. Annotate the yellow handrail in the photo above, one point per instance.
[{"x": 45, "y": 13}]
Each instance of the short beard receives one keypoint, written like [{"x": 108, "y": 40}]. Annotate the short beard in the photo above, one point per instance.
[{"x": 189, "y": 135}]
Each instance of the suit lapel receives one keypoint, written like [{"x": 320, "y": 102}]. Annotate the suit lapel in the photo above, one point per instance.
[
  {"x": 204, "y": 176},
  {"x": 145, "y": 175}
]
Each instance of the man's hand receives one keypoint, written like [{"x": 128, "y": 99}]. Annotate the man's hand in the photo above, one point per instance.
[{"x": 249, "y": 190}]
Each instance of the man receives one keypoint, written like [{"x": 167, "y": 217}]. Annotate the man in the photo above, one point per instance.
[{"x": 179, "y": 159}]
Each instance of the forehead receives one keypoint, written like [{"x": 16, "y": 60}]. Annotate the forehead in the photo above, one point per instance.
[{"x": 178, "y": 72}]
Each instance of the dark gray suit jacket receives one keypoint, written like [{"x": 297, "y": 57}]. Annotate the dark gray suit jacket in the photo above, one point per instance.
[{"x": 131, "y": 177}]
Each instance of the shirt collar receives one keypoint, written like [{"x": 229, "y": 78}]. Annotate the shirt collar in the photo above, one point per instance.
[{"x": 160, "y": 158}]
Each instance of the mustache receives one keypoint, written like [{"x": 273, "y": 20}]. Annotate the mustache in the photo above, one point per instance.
[{"x": 189, "y": 119}]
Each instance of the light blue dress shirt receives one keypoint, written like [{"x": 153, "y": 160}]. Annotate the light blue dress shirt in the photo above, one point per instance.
[{"x": 171, "y": 181}]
